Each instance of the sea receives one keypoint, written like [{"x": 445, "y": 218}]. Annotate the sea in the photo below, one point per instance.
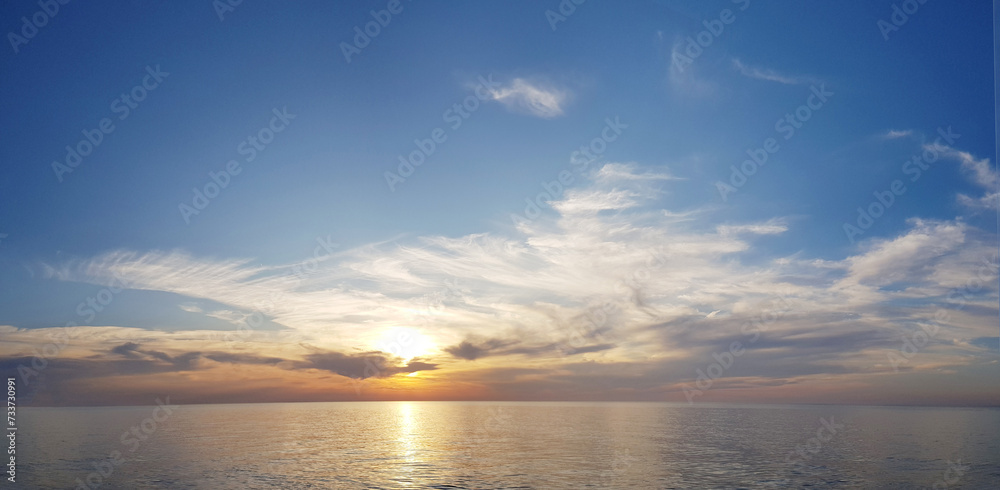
[{"x": 493, "y": 445}]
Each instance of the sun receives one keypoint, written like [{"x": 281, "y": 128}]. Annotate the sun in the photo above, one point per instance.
[{"x": 404, "y": 342}]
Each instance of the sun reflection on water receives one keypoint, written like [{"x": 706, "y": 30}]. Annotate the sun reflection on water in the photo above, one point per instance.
[{"x": 407, "y": 430}]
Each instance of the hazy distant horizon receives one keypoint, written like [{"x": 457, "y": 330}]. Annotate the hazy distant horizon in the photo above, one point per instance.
[{"x": 671, "y": 403}]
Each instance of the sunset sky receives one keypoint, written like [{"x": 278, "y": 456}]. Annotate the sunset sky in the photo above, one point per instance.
[{"x": 573, "y": 220}]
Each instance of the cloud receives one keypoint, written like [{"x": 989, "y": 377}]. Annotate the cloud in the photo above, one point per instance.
[
  {"x": 363, "y": 365},
  {"x": 906, "y": 258},
  {"x": 685, "y": 77},
  {"x": 773, "y": 226},
  {"x": 590, "y": 348},
  {"x": 190, "y": 308},
  {"x": 990, "y": 200},
  {"x": 230, "y": 316},
  {"x": 470, "y": 351},
  {"x": 896, "y": 134},
  {"x": 588, "y": 202},
  {"x": 605, "y": 272},
  {"x": 532, "y": 98},
  {"x": 980, "y": 171},
  {"x": 127, "y": 349},
  {"x": 601, "y": 246},
  {"x": 617, "y": 172},
  {"x": 358, "y": 366},
  {"x": 769, "y": 75}
]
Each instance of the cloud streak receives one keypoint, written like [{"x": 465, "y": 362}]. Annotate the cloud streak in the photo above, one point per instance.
[
  {"x": 979, "y": 171},
  {"x": 769, "y": 75},
  {"x": 532, "y": 98},
  {"x": 893, "y": 134}
]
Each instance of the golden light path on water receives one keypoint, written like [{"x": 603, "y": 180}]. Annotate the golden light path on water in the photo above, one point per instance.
[{"x": 407, "y": 431}]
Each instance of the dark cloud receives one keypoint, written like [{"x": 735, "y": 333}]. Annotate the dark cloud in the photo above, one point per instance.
[
  {"x": 590, "y": 348},
  {"x": 181, "y": 362},
  {"x": 226, "y": 357},
  {"x": 127, "y": 349},
  {"x": 372, "y": 364},
  {"x": 56, "y": 381},
  {"x": 359, "y": 366},
  {"x": 471, "y": 349},
  {"x": 467, "y": 350}
]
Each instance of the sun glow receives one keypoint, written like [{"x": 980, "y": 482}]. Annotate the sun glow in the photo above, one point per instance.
[{"x": 405, "y": 343}]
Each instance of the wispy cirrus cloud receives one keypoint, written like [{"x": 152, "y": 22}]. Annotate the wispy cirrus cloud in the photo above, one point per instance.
[
  {"x": 772, "y": 226},
  {"x": 614, "y": 172},
  {"x": 769, "y": 75},
  {"x": 539, "y": 99},
  {"x": 688, "y": 80},
  {"x": 979, "y": 170},
  {"x": 893, "y": 134}
]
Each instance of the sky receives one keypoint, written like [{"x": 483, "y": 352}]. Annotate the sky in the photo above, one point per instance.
[{"x": 712, "y": 201}]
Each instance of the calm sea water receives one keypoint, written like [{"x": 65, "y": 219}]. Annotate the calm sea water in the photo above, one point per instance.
[{"x": 508, "y": 445}]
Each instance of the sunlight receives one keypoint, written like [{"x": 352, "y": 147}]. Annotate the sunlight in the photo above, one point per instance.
[
  {"x": 407, "y": 431},
  {"x": 404, "y": 342}
]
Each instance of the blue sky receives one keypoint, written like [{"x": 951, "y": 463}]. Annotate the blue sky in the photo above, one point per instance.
[{"x": 322, "y": 177}]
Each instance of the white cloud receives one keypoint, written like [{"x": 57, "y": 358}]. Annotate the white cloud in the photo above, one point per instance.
[
  {"x": 612, "y": 172},
  {"x": 896, "y": 134},
  {"x": 577, "y": 202},
  {"x": 190, "y": 308},
  {"x": 228, "y": 316},
  {"x": 768, "y": 75},
  {"x": 990, "y": 200},
  {"x": 980, "y": 171},
  {"x": 536, "y": 99},
  {"x": 772, "y": 226},
  {"x": 906, "y": 258}
]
